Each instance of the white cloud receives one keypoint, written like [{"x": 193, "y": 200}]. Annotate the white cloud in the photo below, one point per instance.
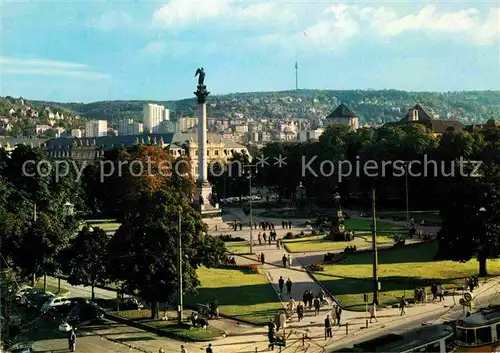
[
  {"x": 110, "y": 20},
  {"x": 172, "y": 48},
  {"x": 320, "y": 26},
  {"x": 45, "y": 67}
]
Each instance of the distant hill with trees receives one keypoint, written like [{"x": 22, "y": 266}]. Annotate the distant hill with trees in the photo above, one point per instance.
[{"x": 373, "y": 106}]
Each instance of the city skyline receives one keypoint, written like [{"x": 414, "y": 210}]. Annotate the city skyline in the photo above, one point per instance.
[{"x": 150, "y": 51}]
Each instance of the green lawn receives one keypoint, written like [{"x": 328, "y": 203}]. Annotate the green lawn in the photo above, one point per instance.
[
  {"x": 366, "y": 224},
  {"x": 241, "y": 295},
  {"x": 310, "y": 244},
  {"x": 51, "y": 288},
  {"x": 400, "y": 271},
  {"x": 170, "y": 327},
  {"x": 237, "y": 247}
]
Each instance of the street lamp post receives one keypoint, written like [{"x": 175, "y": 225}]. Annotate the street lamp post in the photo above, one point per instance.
[
  {"x": 179, "y": 273},
  {"x": 375, "y": 250},
  {"x": 407, "y": 197},
  {"x": 249, "y": 177}
]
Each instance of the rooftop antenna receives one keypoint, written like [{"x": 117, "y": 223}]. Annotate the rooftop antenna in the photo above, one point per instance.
[{"x": 296, "y": 75}]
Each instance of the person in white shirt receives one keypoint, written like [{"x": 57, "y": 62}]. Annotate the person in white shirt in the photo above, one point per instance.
[
  {"x": 373, "y": 312},
  {"x": 183, "y": 349}
]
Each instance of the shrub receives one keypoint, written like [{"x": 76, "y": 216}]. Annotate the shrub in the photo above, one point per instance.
[
  {"x": 302, "y": 234},
  {"x": 229, "y": 237},
  {"x": 308, "y": 223},
  {"x": 317, "y": 267},
  {"x": 289, "y": 235},
  {"x": 253, "y": 268},
  {"x": 350, "y": 249},
  {"x": 314, "y": 232}
]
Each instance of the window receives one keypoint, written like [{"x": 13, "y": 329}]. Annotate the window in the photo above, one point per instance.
[
  {"x": 216, "y": 152},
  {"x": 483, "y": 335},
  {"x": 449, "y": 344},
  {"x": 471, "y": 336},
  {"x": 434, "y": 347},
  {"x": 498, "y": 331}
]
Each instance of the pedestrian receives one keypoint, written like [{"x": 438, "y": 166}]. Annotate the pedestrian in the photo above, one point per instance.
[
  {"x": 281, "y": 283},
  {"x": 183, "y": 349},
  {"x": 289, "y": 286},
  {"x": 402, "y": 305},
  {"x": 270, "y": 334},
  {"x": 209, "y": 348},
  {"x": 282, "y": 321},
  {"x": 259, "y": 236},
  {"x": 328, "y": 327},
  {"x": 316, "y": 306},
  {"x": 72, "y": 340},
  {"x": 262, "y": 258},
  {"x": 289, "y": 260},
  {"x": 373, "y": 312},
  {"x": 284, "y": 260},
  {"x": 270, "y": 238},
  {"x": 322, "y": 298},
  {"x": 291, "y": 306},
  {"x": 278, "y": 244},
  {"x": 283, "y": 224},
  {"x": 241, "y": 226},
  {"x": 264, "y": 236},
  {"x": 310, "y": 298},
  {"x": 339, "y": 314},
  {"x": 289, "y": 224},
  {"x": 300, "y": 311}
]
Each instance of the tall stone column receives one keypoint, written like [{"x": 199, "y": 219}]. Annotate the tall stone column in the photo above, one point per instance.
[{"x": 202, "y": 140}]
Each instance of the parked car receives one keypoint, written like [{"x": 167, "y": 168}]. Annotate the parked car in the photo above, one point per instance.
[
  {"x": 25, "y": 293},
  {"x": 35, "y": 301},
  {"x": 22, "y": 350},
  {"x": 55, "y": 304},
  {"x": 83, "y": 314}
]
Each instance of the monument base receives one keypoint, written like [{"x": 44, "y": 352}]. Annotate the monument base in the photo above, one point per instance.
[{"x": 211, "y": 215}]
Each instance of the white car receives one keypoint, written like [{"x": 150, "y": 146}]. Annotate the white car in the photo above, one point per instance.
[{"x": 55, "y": 303}]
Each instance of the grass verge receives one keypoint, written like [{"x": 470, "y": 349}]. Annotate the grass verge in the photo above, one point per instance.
[
  {"x": 237, "y": 247},
  {"x": 242, "y": 295},
  {"x": 311, "y": 244},
  {"x": 52, "y": 289},
  {"x": 400, "y": 271},
  {"x": 170, "y": 328}
]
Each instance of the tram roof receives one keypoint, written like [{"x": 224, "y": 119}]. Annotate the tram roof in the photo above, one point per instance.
[
  {"x": 404, "y": 341},
  {"x": 483, "y": 317}
]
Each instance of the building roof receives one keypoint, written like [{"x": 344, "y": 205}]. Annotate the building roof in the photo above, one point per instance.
[
  {"x": 423, "y": 114},
  {"x": 442, "y": 126},
  {"x": 13, "y": 141},
  {"x": 108, "y": 142},
  {"x": 342, "y": 111}
]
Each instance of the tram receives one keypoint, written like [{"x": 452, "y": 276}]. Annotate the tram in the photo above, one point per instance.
[
  {"x": 433, "y": 338},
  {"x": 479, "y": 331}
]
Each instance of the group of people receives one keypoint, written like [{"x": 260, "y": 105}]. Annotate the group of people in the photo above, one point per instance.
[
  {"x": 267, "y": 238},
  {"x": 286, "y": 224},
  {"x": 420, "y": 295},
  {"x": 281, "y": 284},
  {"x": 184, "y": 350},
  {"x": 287, "y": 260}
]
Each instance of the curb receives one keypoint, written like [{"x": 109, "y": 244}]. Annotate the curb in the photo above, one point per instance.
[{"x": 156, "y": 331}]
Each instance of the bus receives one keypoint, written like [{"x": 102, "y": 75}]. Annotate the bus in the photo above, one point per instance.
[
  {"x": 433, "y": 338},
  {"x": 479, "y": 331}
]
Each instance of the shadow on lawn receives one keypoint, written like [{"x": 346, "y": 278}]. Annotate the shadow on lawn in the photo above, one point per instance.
[{"x": 238, "y": 295}]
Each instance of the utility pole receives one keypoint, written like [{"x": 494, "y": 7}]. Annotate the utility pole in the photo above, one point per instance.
[
  {"x": 407, "y": 197},
  {"x": 179, "y": 274},
  {"x": 250, "y": 176},
  {"x": 375, "y": 251},
  {"x": 34, "y": 212}
]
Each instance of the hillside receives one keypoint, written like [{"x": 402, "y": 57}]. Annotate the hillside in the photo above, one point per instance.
[{"x": 372, "y": 106}]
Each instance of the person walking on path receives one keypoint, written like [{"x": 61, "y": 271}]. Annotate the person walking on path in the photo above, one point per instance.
[
  {"x": 183, "y": 349},
  {"x": 310, "y": 298},
  {"x": 270, "y": 239},
  {"x": 259, "y": 236},
  {"x": 282, "y": 321},
  {"x": 373, "y": 312},
  {"x": 402, "y": 305},
  {"x": 289, "y": 260},
  {"x": 284, "y": 260},
  {"x": 300, "y": 311},
  {"x": 72, "y": 340},
  {"x": 270, "y": 334},
  {"x": 338, "y": 314},
  {"x": 291, "y": 306},
  {"x": 281, "y": 283},
  {"x": 316, "y": 306},
  {"x": 209, "y": 348},
  {"x": 262, "y": 258},
  {"x": 328, "y": 327},
  {"x": 289, "y": 286}
]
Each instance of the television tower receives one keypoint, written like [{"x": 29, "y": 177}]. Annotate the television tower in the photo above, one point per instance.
[{"x": 296, "y": 75}]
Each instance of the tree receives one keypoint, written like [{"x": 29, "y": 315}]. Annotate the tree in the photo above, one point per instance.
[
  {"x": 10, "y": 327},
  {"x": 87, "y": 258},
  {"x": 471, "y": 223},
  {"x": 142, "y": 253}
]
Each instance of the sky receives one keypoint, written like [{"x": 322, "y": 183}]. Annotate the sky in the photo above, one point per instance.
[{"x": 83, "y": 51}]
